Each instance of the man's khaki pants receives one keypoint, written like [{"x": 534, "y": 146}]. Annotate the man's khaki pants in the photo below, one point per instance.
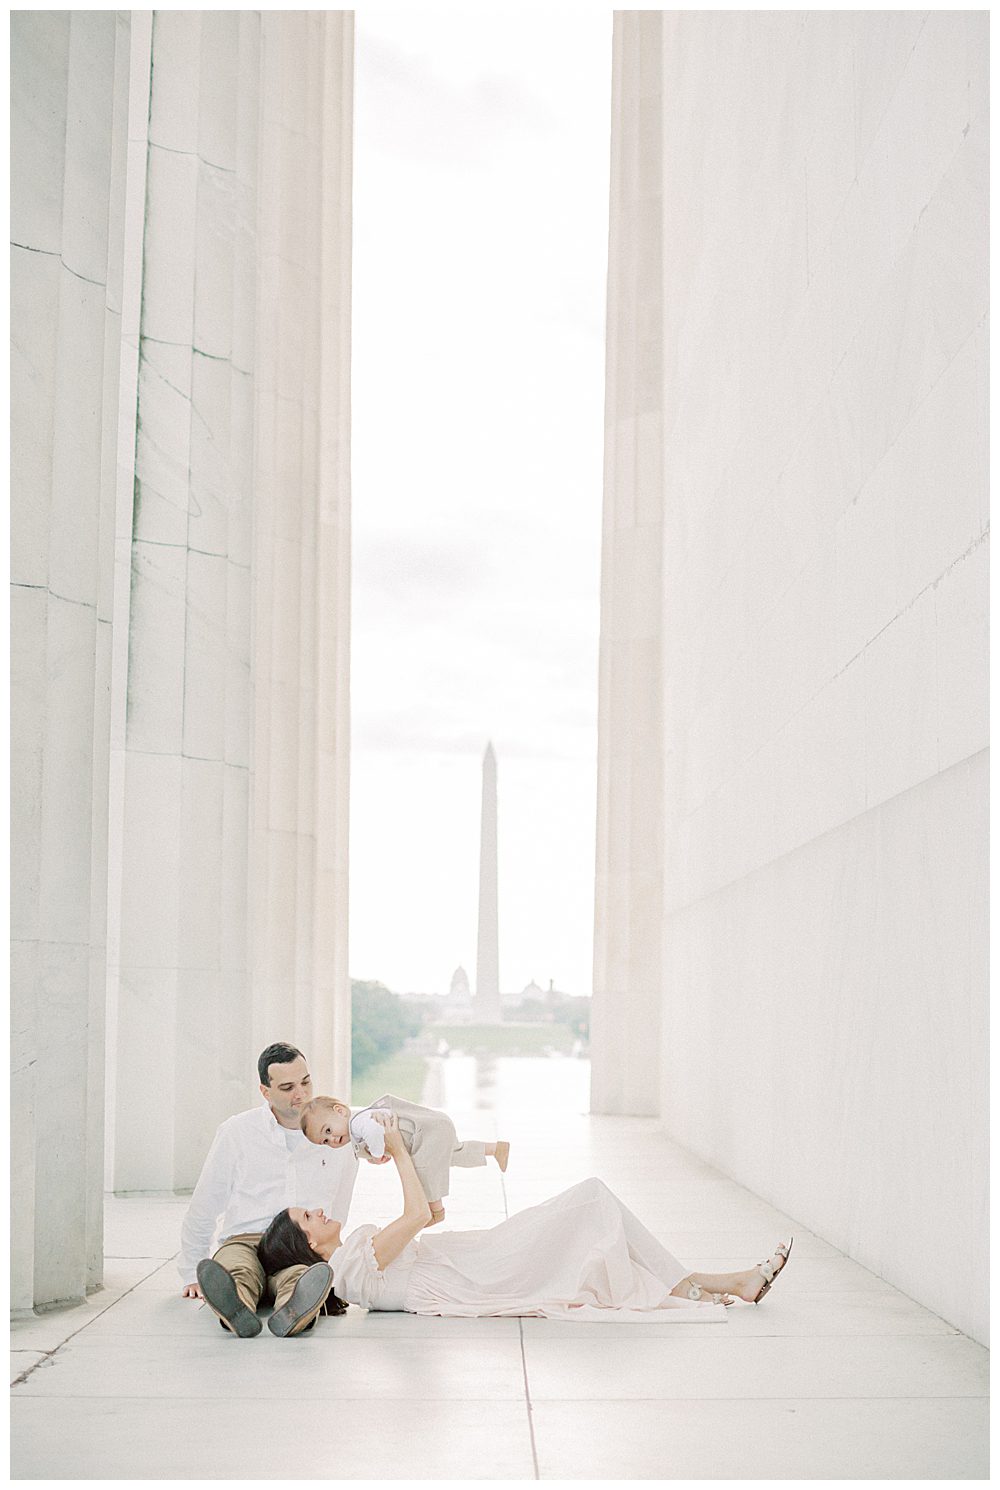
[{"x": 238, "y": 1255}]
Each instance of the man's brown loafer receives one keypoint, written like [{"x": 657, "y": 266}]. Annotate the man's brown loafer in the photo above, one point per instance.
[
  {"x": 221, "y": 1297},
  {"x": 307, "y": 1297}
]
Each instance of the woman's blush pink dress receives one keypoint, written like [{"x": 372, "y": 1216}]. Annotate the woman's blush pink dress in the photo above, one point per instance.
[{"x": 580, "y": 1255}]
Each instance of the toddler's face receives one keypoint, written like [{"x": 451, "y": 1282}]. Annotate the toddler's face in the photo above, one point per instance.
[{"x": 330, "y": 1126}]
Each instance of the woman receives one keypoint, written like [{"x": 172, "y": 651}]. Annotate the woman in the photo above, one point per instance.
[{"x": 575, "y": 1256}]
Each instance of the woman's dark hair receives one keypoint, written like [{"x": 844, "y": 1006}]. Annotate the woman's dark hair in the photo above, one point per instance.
[{"x": 284, "y": 1245}]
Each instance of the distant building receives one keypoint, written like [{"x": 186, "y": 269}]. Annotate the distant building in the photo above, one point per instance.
[{"x": 457, "y": 1007}]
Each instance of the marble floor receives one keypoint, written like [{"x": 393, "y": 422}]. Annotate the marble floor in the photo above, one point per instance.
[{"x": 834, "y": 1375}]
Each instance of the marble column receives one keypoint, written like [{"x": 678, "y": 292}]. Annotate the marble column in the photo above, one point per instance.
[
  {"x": 301, "y": 557},
  {"x": 181, "y": 1019},
  {"x": 69, "y": 111},
  {"x": 128, "y": 386},
  {"x": 233, "y": 877},
  {"x": 487, "y": 1002},
  {"x": 625, "y": 1018}
]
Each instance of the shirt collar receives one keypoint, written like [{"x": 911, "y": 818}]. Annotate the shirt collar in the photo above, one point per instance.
[{"x": 275, "y": 1132}]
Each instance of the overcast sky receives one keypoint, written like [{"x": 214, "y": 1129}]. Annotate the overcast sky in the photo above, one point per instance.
[{"x": 480, "y": 253}]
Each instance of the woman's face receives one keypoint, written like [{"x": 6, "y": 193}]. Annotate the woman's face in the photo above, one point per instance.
[{"x": 322, "y": 1234}]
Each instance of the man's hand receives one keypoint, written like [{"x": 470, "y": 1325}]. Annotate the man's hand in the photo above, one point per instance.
[{"x": 192, "y": 1291}]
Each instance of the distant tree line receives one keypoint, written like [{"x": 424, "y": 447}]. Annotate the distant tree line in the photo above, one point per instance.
[
  {"x": 570, "y": 1009},
  {"x": 381, "y": 1024}
]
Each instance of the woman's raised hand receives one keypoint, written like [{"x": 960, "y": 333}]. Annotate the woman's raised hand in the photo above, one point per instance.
[{"x": 393, "y": 1138}]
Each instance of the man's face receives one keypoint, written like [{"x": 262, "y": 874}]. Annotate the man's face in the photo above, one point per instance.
[{"x": 290, "y": 1087}]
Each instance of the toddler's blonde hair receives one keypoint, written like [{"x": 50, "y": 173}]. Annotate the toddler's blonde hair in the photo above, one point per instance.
[{"x": 317, "y": 1107}]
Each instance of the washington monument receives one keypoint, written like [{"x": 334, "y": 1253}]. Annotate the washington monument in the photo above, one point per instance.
[{"x": 487, "y": 1004}]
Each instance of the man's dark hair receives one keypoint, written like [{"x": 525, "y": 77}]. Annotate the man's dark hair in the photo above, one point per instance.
[
  {"x": 276, "y": 1055},
  {"x": 285, "y": 1245}
]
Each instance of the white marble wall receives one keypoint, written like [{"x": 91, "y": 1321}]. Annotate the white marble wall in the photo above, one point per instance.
[
  {"x": 823, "y": 610},
  {"x": 625, "y": 1019},
  {"x": 69, "y": 108}
]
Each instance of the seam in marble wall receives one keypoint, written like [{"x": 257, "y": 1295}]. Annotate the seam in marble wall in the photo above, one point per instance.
[{"x": 933, "y": 584}]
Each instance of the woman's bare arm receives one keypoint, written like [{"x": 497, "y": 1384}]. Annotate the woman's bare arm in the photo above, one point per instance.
[{"x": 390, "y": 1241}]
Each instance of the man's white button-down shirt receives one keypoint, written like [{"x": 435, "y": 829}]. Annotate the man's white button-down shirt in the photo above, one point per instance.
[{"x": 255, "y": 1168}]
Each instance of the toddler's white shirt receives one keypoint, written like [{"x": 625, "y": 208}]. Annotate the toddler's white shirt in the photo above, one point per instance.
[{"x": 367, "y": 1131}]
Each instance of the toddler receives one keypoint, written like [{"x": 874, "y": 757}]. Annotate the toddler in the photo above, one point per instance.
[{"x": 428, "y": 1135}]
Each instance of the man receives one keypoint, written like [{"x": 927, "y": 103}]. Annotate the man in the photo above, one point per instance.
[{"x": 259, "y": 1163}]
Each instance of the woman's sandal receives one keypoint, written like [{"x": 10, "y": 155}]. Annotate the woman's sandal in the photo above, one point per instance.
[
  {"x": 769, "y": 1273},
  {"x": 698, "y": 1295}
]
